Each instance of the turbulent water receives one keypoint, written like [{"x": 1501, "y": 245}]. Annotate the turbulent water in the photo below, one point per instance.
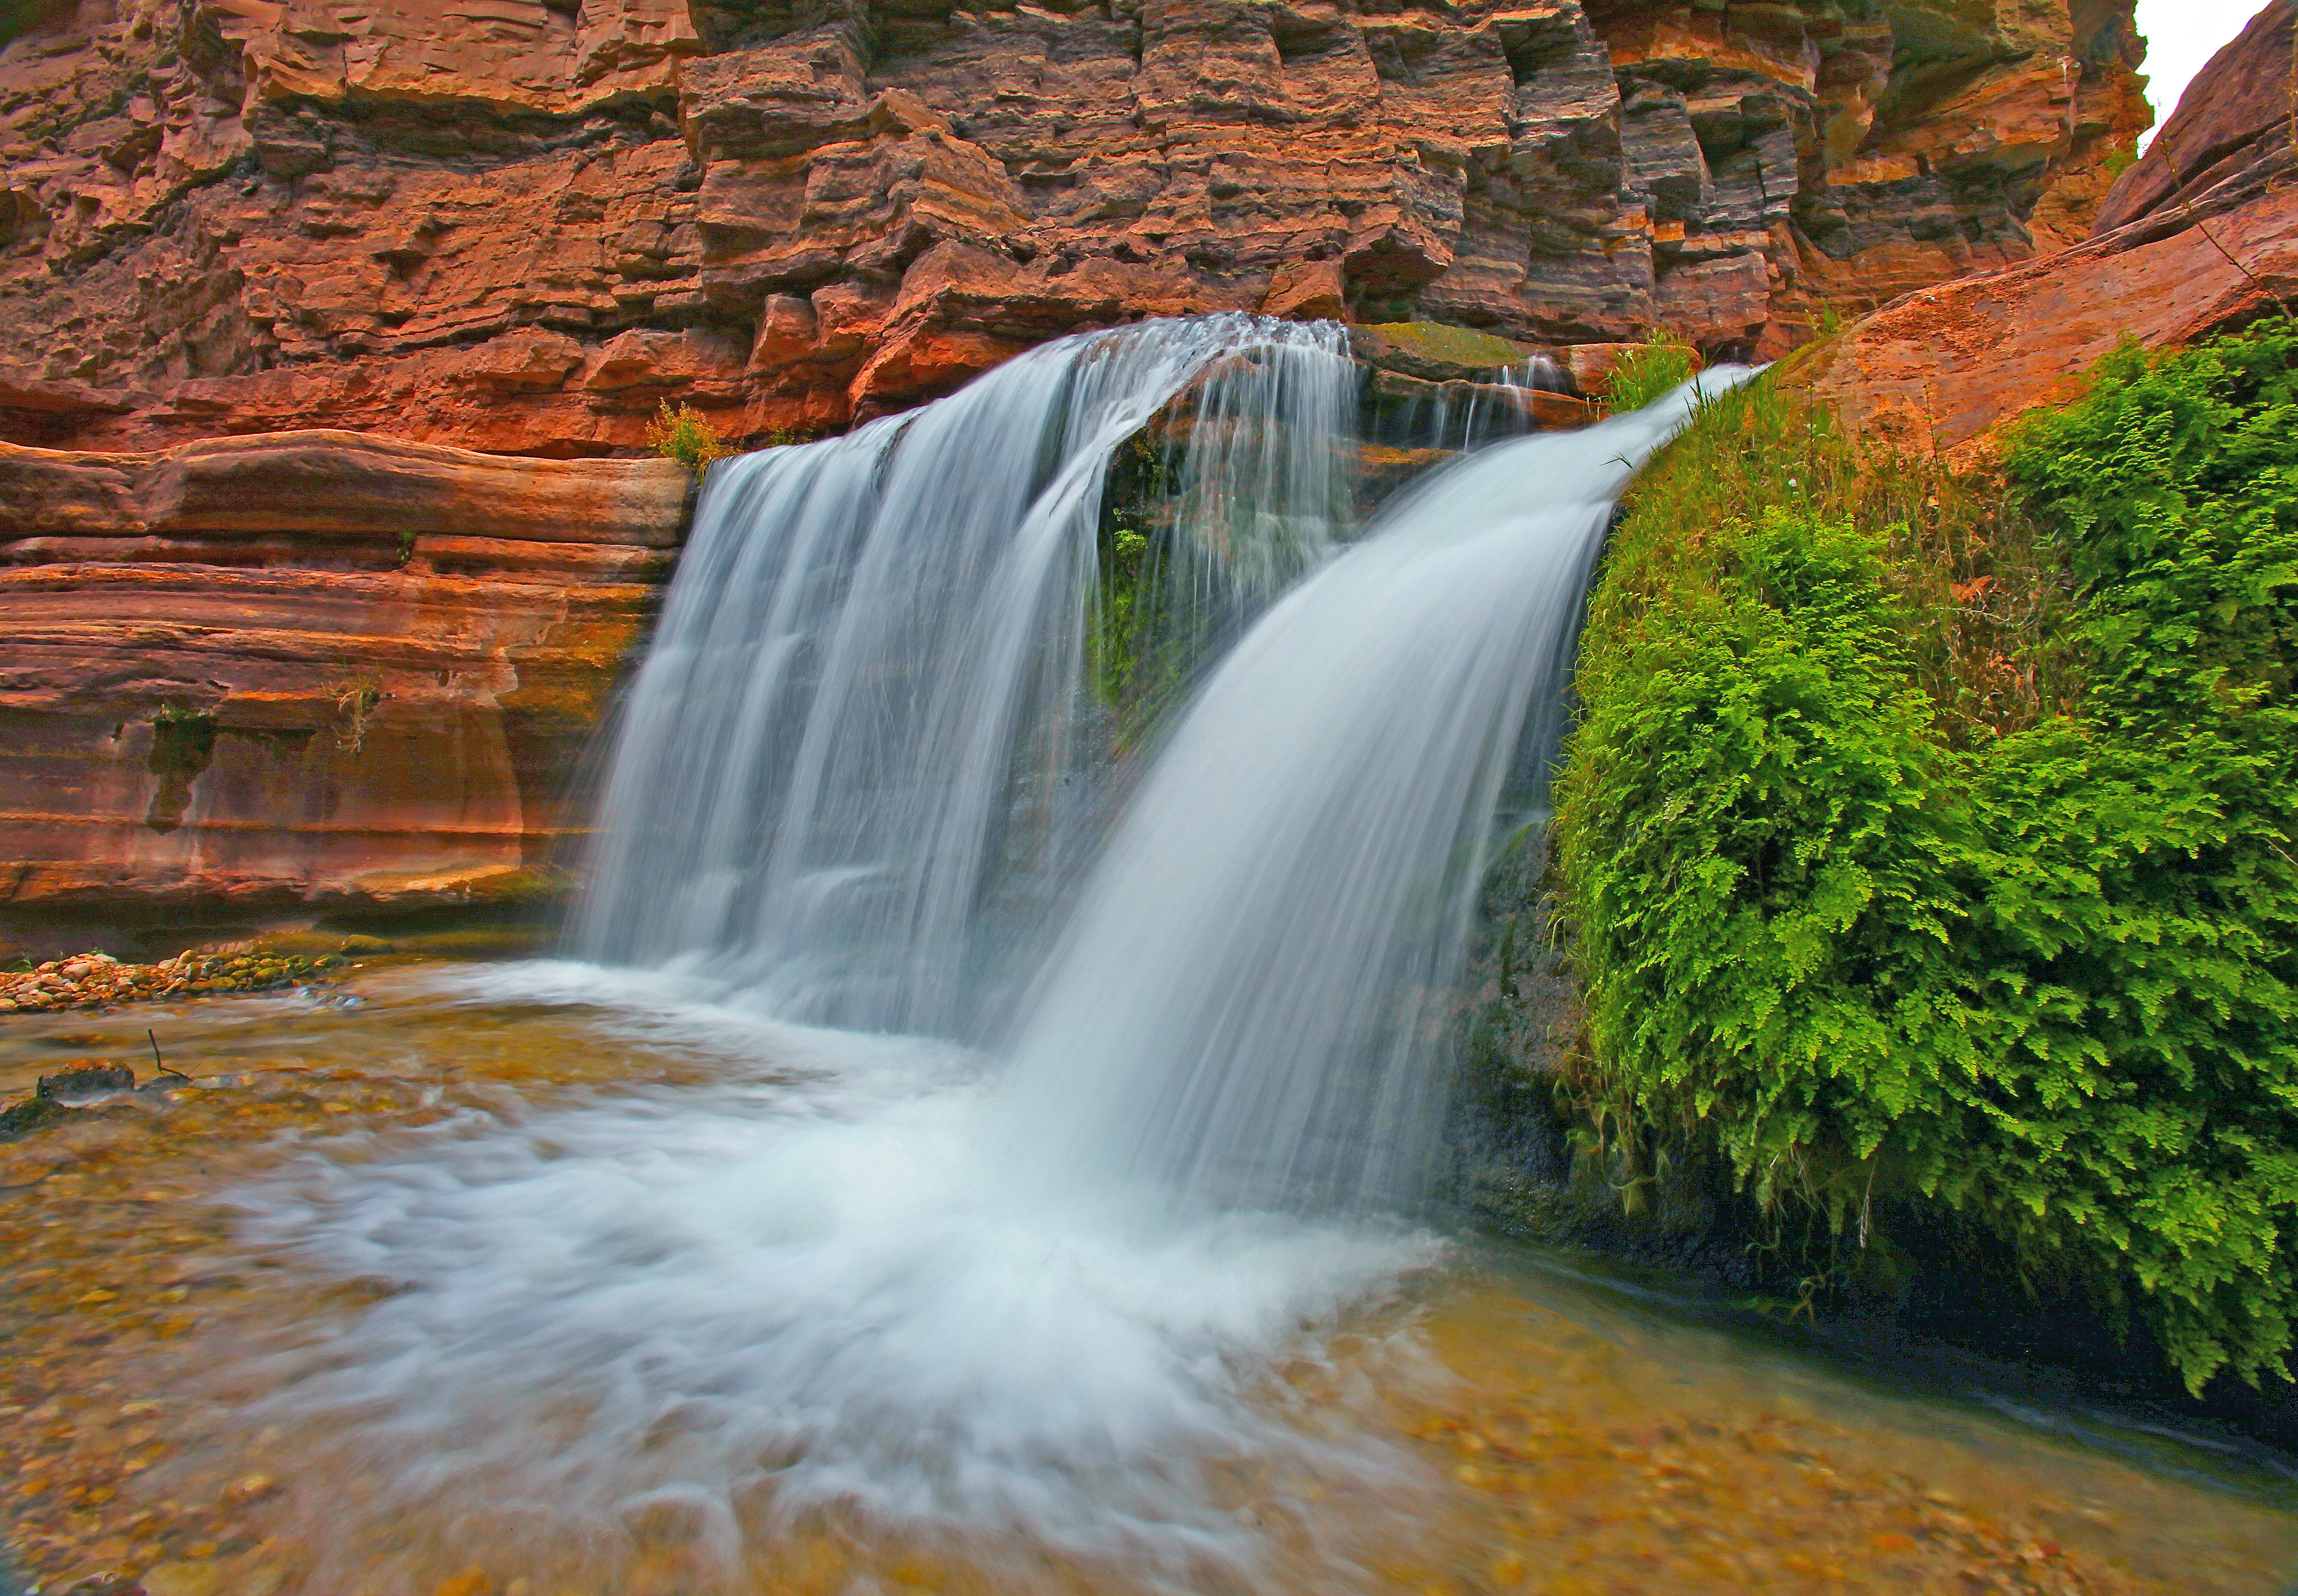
[
  {"x": 974, "y": 1248},
  {"x": 821, "y": 1284}
]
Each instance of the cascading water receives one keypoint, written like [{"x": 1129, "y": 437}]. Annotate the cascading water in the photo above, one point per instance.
[
  {"x": 858, "y": 767},
  {"x": 1245, "y": 1007},
  {"x": 1465, "y": 415},
  {"x": 1032, "y": 1286}
]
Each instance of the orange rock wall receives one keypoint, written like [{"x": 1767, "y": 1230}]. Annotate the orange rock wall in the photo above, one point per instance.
[
  {"x": 520, "y": 225},
  {"x": 310, "y": 668},
  {"x": 248, "y": 663},
  {"x": 2200, "y": 234}
]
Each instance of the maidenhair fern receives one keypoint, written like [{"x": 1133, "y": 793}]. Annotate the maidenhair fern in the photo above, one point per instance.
[{"x": 1841, "y": 922}]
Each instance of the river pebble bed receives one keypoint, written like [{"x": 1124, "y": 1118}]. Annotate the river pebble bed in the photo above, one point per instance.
[
  {"x": 96, "y": 980},
  {"x": 1542, "y": 1432}
]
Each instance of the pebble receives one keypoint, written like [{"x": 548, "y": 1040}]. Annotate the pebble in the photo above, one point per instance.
[{"x": 254, "y": 1487}]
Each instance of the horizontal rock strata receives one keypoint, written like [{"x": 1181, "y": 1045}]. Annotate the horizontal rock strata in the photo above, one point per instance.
[
  {"x": 310, "y": 668},
  {"x": 521, "y": 226}
]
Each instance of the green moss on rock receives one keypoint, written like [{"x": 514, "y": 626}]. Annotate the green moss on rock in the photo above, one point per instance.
[{"x": 1436, "y": 352}]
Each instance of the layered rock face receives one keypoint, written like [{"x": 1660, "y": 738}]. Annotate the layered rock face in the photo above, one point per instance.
[
  {"x": 2200, "y": 234},
  {"x": 308, "y": 668},
  {"x": 332, "y": 671},
  {"x": 520, "y": 225},
  {"x": 316, "y": 667}
]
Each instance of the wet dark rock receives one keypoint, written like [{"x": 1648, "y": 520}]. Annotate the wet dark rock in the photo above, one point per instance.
[
  {"x": 88, "y": 1080},
  {"x": 62, "y": 1096},
  {"x": 34, "y": 1113}
]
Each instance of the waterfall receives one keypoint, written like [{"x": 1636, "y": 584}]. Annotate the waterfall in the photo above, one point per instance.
[
  {"x": 1034, "y": 1284},
  {"x": 1245, "y": 1007},
  {"x": 863, "y": 760},
  {"x": 864, "y": 768}
]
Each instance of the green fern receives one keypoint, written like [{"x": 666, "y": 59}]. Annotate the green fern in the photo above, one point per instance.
[{"x": 1869, "y": 927}]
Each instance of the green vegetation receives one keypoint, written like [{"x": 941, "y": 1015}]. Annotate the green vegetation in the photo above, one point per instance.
[
  {"x": 1113, "y": 637},
  {"x": 1647, "y": 370},
  {"x": 684, "y": 436},
  {"x": 1124, "y": 663},
  {"x": 1927, "y": 838},
  {"x": 1152, "y": 613},
  {"x": 1141, "y": 637}
]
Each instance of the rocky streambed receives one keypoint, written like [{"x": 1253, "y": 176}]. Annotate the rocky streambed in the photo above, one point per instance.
[
  {"x": 96, "y": 980},
  {"x": 1509, "y": 1422}
]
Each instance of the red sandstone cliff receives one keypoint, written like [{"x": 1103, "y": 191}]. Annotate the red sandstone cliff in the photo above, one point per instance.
[
  {"x": 322, "y": 668},
  {"x": 2200, "y": 234},
  {"x": 518, "y": 224},
  {"x": 308, "y": 669}
]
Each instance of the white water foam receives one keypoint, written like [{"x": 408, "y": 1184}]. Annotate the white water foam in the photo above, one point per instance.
[{"x": 825, "y": 1285}]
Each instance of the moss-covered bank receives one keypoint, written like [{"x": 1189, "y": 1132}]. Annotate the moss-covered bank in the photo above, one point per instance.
[{"x": 1924, "y": 848}]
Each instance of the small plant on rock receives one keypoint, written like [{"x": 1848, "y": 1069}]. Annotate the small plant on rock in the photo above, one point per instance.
[
  {"x": 1648, "y": 370},
  {"x": 356, "y": 697},
  {"x": 683, "y": 435}
]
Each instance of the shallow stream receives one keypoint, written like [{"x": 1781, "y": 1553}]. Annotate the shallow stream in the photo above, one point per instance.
[{"x": 538, "y": 1277}]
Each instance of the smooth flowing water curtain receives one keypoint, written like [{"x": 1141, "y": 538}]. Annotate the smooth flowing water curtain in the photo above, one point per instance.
[{"x": 862, "y": 764}]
